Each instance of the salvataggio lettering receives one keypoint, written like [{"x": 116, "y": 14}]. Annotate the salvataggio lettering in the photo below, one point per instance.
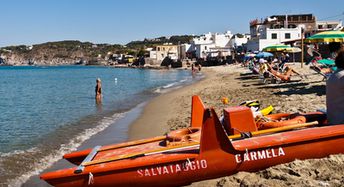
[{"x": 173, "y": 168}]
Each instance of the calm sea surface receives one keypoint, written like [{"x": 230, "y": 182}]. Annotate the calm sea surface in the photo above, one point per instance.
[{"x": 48, "y": 111}]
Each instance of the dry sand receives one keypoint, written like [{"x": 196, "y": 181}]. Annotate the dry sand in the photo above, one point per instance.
[{"x": 172, "y": 111}]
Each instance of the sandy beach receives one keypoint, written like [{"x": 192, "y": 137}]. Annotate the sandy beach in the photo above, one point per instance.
[{"x": 172, "y": 111}]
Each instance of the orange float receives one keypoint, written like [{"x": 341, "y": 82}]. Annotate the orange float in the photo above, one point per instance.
[
  {"x": 184, "y": 135},
  {"x": 280, "y": 120},
  {"x": 219, "y": 152}
]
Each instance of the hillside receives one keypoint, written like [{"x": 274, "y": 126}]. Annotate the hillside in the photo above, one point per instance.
[
  {"x": 56, "y": 53},
  {"x": 74, "y": 52},
  {"x": 161, "y": 40}
]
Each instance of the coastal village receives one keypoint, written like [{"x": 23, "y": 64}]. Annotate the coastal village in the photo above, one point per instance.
[
  {"x": 207, "y": 49},
  {"x": 257, "y": 79}
]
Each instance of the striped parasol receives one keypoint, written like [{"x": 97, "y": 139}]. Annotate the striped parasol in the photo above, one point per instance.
[
  {"x": 327, "y": 36},
  {"x": 293, "y": 50},
  {"x": 277, "y": 48}
]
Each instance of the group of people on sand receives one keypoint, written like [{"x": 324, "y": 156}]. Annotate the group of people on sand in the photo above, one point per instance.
[
  {"x": 334, "y": 85},
  {"x": 275, "y": 69},
  {"x": 271, "y": 68}
]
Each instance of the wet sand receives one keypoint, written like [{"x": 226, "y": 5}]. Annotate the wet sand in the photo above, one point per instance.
[{"x": 172, "y": 111}]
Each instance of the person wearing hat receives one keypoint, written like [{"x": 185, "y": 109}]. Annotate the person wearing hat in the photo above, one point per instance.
[{"x": 98, "y": 89}]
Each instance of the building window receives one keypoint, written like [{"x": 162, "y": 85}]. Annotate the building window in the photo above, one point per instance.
[
  {"x": 320, "y": 26},
  {"x": 205, "y": 47},
  {"x": 158, "y": 48},
  {"x": 274, "y": 36},
  {"x": 287, "y": 35},
  {"x": 329, "y": 26}
]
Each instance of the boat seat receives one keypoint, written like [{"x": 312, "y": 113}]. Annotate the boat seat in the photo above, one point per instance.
[{"x": 238, "y": 119}]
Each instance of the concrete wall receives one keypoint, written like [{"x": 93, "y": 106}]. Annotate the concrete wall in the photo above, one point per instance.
[
  {"x": 152, "y": 54},
  {"x": 295, "y": 33}
]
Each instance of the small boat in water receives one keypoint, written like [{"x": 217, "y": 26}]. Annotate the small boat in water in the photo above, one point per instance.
[{"x": 210, "y": 148}]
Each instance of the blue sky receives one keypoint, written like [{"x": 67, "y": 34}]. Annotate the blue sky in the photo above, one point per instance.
[{"x": 121, "y": 21}]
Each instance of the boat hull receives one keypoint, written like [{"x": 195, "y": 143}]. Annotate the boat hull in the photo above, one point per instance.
[{"x": 183, "y": 168}]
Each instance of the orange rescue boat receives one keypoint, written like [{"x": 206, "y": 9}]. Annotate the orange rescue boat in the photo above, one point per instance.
[{"x": 219, "y": 149}]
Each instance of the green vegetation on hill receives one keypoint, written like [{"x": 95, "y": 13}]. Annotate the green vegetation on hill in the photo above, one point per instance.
[
  {"x": 65, "y": 50},
  {"x": 159, "y": 41},
  {"x": 73, "y": 50}
]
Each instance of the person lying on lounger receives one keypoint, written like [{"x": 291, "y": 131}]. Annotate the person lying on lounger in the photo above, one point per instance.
[{"x": 285, "y": 76}]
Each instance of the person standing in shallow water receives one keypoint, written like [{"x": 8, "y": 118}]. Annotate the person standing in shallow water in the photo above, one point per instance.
[
  {"x": 98, "y": 90},
  {"x": 335, "y": 92}
]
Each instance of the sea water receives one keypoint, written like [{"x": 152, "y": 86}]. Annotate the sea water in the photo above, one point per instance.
[{"x": 46, "y": 112}]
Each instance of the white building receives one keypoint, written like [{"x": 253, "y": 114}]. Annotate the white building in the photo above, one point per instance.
[
  {"x": 278, "y": 29},
  {"x": 212, "y": 45},
  {"x": 167, "y": 50},
  {"x": 239, "y": 39},
  {"x": 269, "y": 37},
  {"x": 328, "y": 25}
]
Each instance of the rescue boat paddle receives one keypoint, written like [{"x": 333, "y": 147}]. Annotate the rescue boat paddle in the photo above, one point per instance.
[{"x": 196, "y": 144}]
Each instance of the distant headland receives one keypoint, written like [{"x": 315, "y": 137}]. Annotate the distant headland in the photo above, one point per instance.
[{"x": 74, "y": 52}]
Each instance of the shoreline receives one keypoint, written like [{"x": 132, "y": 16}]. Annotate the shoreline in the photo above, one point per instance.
[
  {"x": 157, "y": 113},
  {"x": 160, "y": 113}
]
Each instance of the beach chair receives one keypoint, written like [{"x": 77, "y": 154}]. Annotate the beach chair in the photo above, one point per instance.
[
  {"x": 324, "y": 67},
  {"x": 278, "y": 77}
]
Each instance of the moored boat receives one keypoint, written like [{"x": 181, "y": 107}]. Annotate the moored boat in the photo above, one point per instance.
[{"x": 221, "y": 149}]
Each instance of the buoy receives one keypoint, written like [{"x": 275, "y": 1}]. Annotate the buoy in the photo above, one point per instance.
[{"x": 225, "y": 100}]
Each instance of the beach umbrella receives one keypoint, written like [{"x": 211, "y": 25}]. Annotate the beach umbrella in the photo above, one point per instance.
[
  {"x": 327, "y": 36},
  {"x": 293, "y": 50},
  {"x": 277, "y": 48},
  {"x": 264, "y": 55},
  {"x": 250, "y": 55},
  {"x": 329, "y": 63}
]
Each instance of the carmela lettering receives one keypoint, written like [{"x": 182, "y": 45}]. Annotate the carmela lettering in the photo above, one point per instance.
[
  {"x": 175, "y": 168},
  {"x": 259, "y": 155}
]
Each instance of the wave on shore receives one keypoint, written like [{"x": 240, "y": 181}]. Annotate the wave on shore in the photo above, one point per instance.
[
  {"x": 32, "y": 161},
  {"x": 178, "y": 84}
]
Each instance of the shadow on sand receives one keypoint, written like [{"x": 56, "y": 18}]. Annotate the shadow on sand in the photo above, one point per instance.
[
  {"x": 247, "y": 76},
  {"x": 298, "y": 88}
]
